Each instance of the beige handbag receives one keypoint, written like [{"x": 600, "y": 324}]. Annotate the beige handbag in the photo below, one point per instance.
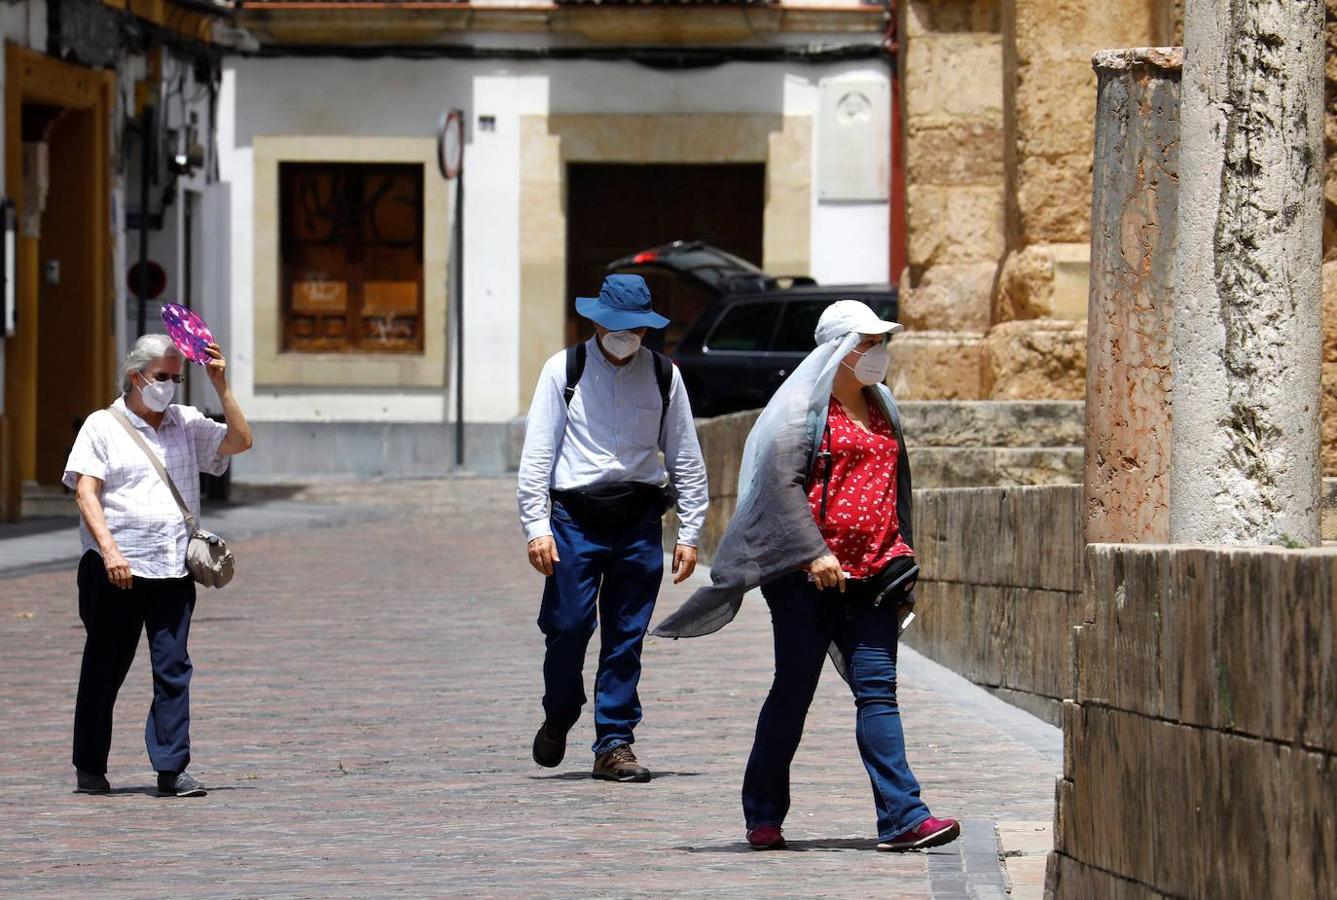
[{"x": 207, "y": 557}]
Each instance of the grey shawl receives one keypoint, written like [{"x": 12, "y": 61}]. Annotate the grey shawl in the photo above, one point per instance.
[{"x": 772, "y": 532}]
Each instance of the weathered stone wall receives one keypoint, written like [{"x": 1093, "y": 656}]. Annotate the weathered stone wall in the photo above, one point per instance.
[
  {"x": 1000, "y": 588},
  {"x": 999, "y": 102},
  {"x": 1329, "y": 400},
  {"x": 1050, "y": 104},
  {"x": 951, "y": 61},
  {"x": 1201, "y": 750}
]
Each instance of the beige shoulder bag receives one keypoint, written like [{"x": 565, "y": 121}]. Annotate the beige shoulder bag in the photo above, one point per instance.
[{"x": 207, "y": 556}]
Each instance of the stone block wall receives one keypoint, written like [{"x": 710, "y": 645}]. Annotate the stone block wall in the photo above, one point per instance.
[
  {"x": 999, "y": 101},
  {"x": 1000, "y": 588},
  {"x": 952, "y": 82},
  {"x": 1201, "y": 748}
]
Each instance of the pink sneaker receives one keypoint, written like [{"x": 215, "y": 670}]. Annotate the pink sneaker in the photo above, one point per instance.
[
  {"x": 766, "y": 837},
  {"x": 929, "y": 833}
]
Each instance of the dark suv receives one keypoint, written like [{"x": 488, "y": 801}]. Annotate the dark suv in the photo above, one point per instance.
[{"x": 754, "y": 329}]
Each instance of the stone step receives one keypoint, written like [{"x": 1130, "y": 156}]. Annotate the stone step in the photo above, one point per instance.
[
  {"x": 994, "y": 423},
  {"x": 44, "y": 501},
  {"x": 979, "y": 424},
  {"x": 952, "y": 467}
]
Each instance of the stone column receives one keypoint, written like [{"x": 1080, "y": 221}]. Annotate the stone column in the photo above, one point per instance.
[
  {"x": 1130, "y": 317},
  {"x": 1248, "y": 307}
]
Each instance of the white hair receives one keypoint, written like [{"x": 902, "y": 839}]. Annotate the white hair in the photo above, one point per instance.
[{"x": 145, "y": 352}]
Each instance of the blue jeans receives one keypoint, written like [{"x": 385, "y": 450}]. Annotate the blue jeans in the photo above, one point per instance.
[
  {"x": 806, "y": 622},
  {"x": 606, "y": 579}
]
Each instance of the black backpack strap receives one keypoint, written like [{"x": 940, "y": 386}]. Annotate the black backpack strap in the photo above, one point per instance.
[
  {"x": 575, "y": 367},
  {"x": 664, "y": 378}
]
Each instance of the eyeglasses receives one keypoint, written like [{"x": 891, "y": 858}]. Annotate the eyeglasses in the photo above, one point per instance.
[{"x": 163, "y": 376}]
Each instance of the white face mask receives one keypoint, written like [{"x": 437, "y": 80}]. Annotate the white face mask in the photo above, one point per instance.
[
  {"x": 157, "y": 394},
  {"x": 621, "y": 344},
  {"x": 872, "y": 366}
]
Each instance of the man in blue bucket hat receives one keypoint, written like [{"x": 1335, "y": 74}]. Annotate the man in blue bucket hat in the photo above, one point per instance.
[{"x": 592, "y": 491}]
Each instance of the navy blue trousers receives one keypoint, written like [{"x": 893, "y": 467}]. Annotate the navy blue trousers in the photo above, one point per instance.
[
  {"x": 806, "y": 622},
  {"x": 113, "y": 620},
  {"x": 610, "y": 581}
]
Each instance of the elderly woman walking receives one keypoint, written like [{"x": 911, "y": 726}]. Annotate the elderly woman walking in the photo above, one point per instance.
[
  {"x": 133, "y": 575},
  {"x": 823, "y": 527}
]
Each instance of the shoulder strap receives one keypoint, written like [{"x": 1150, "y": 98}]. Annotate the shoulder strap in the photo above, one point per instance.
[
  {"x": 664, "y": 378},
  {"x": 158, "y": 467},
  {"x": 575, "y": 367},
  {"x": 890, "y": 403}
]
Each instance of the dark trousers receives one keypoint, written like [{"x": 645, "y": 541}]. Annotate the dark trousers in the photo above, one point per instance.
[
  {"x": 610, "y": 580},
  {"x": 113, "y": 619},
  {"x": 806, "y": 622}
]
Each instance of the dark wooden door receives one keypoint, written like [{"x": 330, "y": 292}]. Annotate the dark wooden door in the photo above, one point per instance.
[{"x": 614, "y": 210}]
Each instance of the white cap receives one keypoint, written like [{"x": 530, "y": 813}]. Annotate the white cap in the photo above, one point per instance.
[{"x": 849, "y": 317}]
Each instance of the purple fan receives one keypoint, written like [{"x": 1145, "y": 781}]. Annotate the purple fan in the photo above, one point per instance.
[{"x": 188, "y": 331}]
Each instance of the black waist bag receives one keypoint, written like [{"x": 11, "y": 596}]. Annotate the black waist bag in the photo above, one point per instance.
[
  {"x": 614, "y": 507},
  {"x": 895, "y": 582},
  {"x": 891, "y": 587}
]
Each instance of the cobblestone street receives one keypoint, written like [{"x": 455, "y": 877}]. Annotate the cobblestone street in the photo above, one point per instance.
[{"x": 363, "y": 704}]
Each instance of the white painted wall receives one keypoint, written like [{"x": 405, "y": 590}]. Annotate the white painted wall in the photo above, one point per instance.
[{"x": 390, "y": 97}]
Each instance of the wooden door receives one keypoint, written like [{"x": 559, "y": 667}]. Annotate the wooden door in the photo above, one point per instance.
[{"x": 614, "y": 210}]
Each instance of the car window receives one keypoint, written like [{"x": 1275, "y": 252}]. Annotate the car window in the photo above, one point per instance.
[
  {"x": 798, "y": 324},
  {"x": 885, "y": 309},
  {"x": 747, "y": 327}
]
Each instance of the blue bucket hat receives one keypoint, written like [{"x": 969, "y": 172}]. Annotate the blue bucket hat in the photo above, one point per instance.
[{"x": 623, "y": 304}]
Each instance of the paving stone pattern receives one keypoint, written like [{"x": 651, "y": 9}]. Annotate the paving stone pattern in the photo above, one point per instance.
[
  {"x": 364, "y": 700},
  {"x": 49, "y": 544}
]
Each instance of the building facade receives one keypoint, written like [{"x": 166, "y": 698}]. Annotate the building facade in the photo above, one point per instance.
[
  {"x": 590, "y": 131},
  {"x": 108, "y": 146}
]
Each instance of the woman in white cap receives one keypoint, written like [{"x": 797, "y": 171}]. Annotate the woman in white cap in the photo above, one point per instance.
[{"x": 823, "y": 526}]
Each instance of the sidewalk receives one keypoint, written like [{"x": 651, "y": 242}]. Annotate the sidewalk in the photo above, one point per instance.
[
  {"x": 364, "y": 700},
  {"x": 46, "y": 545}
]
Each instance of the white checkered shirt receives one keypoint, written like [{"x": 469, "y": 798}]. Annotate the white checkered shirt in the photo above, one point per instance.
[{"x": 145, "y": 521}]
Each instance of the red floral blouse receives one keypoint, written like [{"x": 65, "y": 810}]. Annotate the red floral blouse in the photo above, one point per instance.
[{"x": 861, "y": 526}]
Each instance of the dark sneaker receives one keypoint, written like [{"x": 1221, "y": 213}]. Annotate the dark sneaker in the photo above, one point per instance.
[
  {"x": 179, "y": 784},
  {"x": 550, "y": 745},
  {"x": 929, "y": 833},
  {"x": 766, "y": 837},
  {"x": 619, "y": 764},
  {"x": 91, "y": 783}
]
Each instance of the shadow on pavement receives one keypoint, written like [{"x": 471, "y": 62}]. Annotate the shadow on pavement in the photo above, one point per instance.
[
  {"x": 150, "y": 790},
  {"x": 815, "y": 844},
  {"x": 585, "y": 776}
]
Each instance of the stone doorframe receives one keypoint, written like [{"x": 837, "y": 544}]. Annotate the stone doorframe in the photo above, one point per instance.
[{"x": 548, "y": 143}]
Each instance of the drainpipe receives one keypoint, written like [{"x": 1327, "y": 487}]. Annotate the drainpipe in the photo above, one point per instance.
[
  {"x": 145, "y": 163},
  {"x": 897, "y": 226}
]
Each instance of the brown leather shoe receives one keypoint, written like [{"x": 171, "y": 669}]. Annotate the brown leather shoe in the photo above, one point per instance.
[{"x": 619, "y": 764}]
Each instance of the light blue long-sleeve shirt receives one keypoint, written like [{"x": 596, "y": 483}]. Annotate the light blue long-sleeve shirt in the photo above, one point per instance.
[{"x": 610, "y": 433}]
